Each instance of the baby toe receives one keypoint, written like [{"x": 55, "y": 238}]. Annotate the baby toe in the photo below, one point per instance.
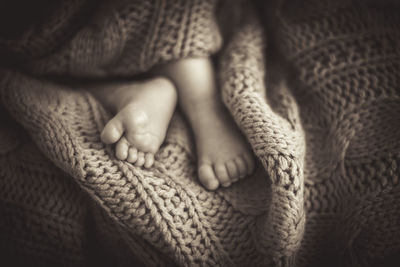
[
  {"x": 140, "y": 159},
  {"x": 222, "y": 174},
  {"x": 207, "y": 177},
  {"x": 241, "y": 166},
  {"x": 112, "y": 132},
  {"x": 148, "y": 160},
  {"x": 121, "y": 150},
  {"x": 232, "y": 170},
  {"x": 132, "y": 157}
]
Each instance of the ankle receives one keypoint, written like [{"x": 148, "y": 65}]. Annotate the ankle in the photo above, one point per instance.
[
  {"x": 201, "y": 102},
  {"x": 204, "y": 111}
]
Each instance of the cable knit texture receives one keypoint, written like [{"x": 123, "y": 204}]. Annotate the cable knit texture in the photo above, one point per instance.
[{"x": 327, "y": 136}]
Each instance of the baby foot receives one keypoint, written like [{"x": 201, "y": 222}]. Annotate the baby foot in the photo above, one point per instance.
[
  {"x": 224, "y": 156},
  {"x": 144, "y": 110}
]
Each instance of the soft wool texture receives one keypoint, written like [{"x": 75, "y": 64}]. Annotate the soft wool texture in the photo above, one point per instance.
[{"x": 326, "y": 134}]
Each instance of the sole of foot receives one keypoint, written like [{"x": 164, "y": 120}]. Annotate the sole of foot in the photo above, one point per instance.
[{"x": 144, "y": 111}]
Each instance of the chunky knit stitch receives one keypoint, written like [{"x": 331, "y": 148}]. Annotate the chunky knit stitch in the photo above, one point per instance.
[
  {"x": 326, "y": 191},
  {"x": 343, "y": 60},
  {"x": 124, "y": 38}
]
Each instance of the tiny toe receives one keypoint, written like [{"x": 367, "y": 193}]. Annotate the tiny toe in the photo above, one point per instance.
[
  {"x": 232, "y": 170},
  {"x": 132, "y": 157},
  {"x": 207, "y": 177},
  {"x": 222, "y": 174},
  {"x": 241, "y": 166},
  {"x": 140, "y": 159},
  {"x": 121, "y": 150},
  {"x": 250, "y": 163},
  {"x": 112, "y": 132},
  {"x": 148, "y": 160}
]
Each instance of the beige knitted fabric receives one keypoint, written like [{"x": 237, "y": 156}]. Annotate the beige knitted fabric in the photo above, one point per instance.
[
  {"x": 326, "y": 191},
  {"x": 125, "y": 37},
  {"x": 343, "y": 60}
]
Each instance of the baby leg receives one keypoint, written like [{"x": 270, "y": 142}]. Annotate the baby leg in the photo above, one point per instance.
[
  {"x": 143, "y": 112},
  {"x": 223, "y": 154}
]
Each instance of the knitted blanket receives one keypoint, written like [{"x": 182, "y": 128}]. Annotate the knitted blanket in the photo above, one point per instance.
[{"x": 324, "y": 125}]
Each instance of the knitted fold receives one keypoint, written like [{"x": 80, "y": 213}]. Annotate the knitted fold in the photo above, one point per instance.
[{"x": 126, "y": 38}]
